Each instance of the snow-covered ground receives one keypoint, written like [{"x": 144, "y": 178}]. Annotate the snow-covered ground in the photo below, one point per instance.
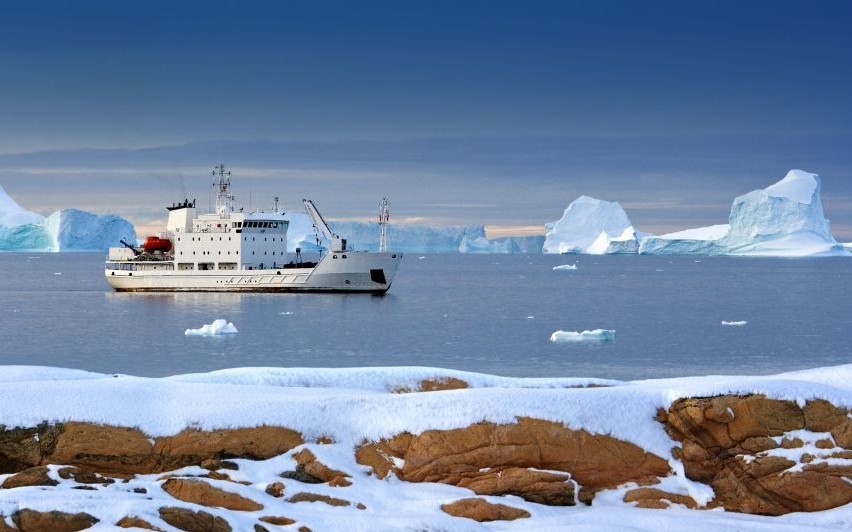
[{"x": 351, "y": 406}]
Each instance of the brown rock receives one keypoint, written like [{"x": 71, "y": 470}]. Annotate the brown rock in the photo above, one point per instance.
[
  {"x": 276, "y": 489},
  {"x": 34, "y": 476},
  {"x": 593, "y": 460},
  {"x": 434, "y": 385},
  {"x": 657, "y": 499},
  {"x": 259, "y": 443},
  {"x": 103, "y": 448},
  {"x": 136, "y": 522},
  {"x": 756, "y": 445},
  {"x": 535, "y": 486},
  {"x": 190, "y": 521},
  {"x": 822, "y": 416},
  {"x": 756, "y": 415},
  {"x": 215, "y": 475},
  {"x": 276, "y": 520},
  {"x": 200, "y": 492},
  {"x": 712, "y": 441},
  {"x": 24, "y": 447},
  {"x": 842, "y": 434},
  {"x": 307, "y": 466},
  {"x": 482, "y": 510},
  {"x": 83, "y": 477},
  {"x": 214, "y": 464},
  {"x": 795, "y": 443},
  {"x": 824, "y": 443},
  {"x": 30, "y": 520},
  {"x": 304, "y": 529},
  {"x": 313, "y": 497}
]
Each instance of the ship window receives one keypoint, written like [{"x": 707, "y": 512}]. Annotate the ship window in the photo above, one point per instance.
[
  {"x": 220, "y": 239},
  {"x": 238, "y": 252},
  {"x": 334, "y": 256},
  {"x": 252, "y": 252},
  {"x": 265, "y": 224}
]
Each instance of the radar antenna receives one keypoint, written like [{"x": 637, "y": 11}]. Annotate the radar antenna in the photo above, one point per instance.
[
  {"x": 222, "y": 186},
  {"x": 384, "y": 217}
]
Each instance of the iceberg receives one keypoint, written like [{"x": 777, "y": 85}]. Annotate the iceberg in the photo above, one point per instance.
[
  {"x": 216, "y": 328},
  {"x": 409, "y": 238},
  {"x": 64, "y": 230},
  {"x": 597, "y": 335},
  {"x": 565, "y": 267},
  {"x": 591, "y": 226},
  {"x": 783, "y": 220}
]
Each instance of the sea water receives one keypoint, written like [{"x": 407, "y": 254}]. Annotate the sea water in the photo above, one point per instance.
[{"x": 485, "y": 313}]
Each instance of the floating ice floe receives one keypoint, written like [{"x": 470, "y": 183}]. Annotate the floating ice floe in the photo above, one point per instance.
[
  {"x": 597, "y": 335},
  {"x": 735, "y": 323},
  {"x": 565, "y": 267},
  {"x": 213, "y": 329}
]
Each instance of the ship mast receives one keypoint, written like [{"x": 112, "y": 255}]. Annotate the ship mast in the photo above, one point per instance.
[
  {"x": 384, "y": 216},
  {"x": 222, "y": 185}
]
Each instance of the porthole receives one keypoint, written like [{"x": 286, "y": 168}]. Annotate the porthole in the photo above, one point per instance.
[
  {"x": 346, "y": 281},
  {"x": 334, "y": 256}
]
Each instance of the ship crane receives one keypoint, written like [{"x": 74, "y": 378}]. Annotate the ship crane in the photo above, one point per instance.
[{"x": 337, "y": 244}]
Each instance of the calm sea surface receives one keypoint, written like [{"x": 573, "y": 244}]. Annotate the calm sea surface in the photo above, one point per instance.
[{"x": 484, "y": 313}]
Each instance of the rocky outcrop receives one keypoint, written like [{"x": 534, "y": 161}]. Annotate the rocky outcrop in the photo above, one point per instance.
[
  {"x": 126, "y": 451},
  {"x": 480, "y": 455},
  {"x": 191, "y": 521},
  {"x": 34, "y": 476},
  {"x": 27, "y": 520},
  {"x": 437, "y": 384},
  {"x": 657, "y": 499},
  {"x": 728, "y": 442},
  {"x": 482, "y": 510},
  {"x": 312, "y": 471},
  {"x": 136, "y": 522},
  {"x": 200, "y": 492},
  {"x": 313, "y": 497}
]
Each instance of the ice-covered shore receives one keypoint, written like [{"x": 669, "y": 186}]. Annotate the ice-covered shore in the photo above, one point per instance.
[{"x": 384, "y": 448}]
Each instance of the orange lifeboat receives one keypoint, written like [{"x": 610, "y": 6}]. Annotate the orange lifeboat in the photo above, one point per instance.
[{"x": 153, "y": 243}]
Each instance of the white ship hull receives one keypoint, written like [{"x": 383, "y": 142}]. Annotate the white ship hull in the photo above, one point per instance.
[{"x": 341, "y": 272}]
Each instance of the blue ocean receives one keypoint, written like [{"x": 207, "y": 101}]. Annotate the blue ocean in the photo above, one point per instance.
[{"x": 485, "y": 313}]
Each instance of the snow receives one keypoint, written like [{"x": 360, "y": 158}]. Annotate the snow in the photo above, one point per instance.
[
  {"x": 352, "y": 405},
  {"x": 597, "y": 335},
  {"x": 590, "y": 225},
  {"x": 64, "y": 230},
  {"x": 213, "y": 329},
  {"x": 565, "y": 267}
]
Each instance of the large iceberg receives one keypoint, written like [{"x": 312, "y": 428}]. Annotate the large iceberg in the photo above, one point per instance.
[
  {"x": 592, "y": 226},
  {"x": 64, "y": 230},
  {"x": 783, "y": 220}
]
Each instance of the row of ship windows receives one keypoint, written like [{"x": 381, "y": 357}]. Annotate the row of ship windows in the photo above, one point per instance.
[
  {"x": 237, "y": 253},
  {"x": 259, "y": 224},
  {"x": 244, "y": 238}
]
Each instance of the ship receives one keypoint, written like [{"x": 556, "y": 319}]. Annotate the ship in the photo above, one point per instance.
[{"x": 234, "y": 251}]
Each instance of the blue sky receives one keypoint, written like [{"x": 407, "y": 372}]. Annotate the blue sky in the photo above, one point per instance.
[{"x": 463, "y": 112}]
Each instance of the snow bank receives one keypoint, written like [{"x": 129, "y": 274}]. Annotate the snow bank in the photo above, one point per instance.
[
  {"x": 597, "y": 335},
  {"x": 591, "y": 226},
  {"x": 214, "y": 329}
]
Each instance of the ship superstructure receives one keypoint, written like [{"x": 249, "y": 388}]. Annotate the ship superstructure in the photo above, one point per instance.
[{"x": 232, "y": 250}]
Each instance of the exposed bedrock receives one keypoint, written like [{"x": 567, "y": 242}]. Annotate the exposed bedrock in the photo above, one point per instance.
[
  {"x": 736, "y": 444},
  {"x": 127, "y": 451},
  {"x": 493, "y": 459}
]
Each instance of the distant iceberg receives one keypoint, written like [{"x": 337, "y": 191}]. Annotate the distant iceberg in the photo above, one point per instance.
[
  {"x": 597, "y": 335},
  {"x": 64, "y": 230},
  {"x": 565, "y": 267},
  {"x": 213, "y": 329},
  {"x": 783, "y": 220},
  {"x": 409, "y": 238},
  {"x": 591, "y": 226}
]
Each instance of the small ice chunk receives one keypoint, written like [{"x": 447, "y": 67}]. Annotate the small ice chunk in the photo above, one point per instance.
[
  {"x": 597, "y": 335},
  {"x": 57, "y": 273},
  {"x": 734, "y": 323},
  {"x": 530, "y": 317},
  {"x": 288, "y": 313},
  {"x": 421, "y": 257},
  {"x": 216, "y": 328},
  {"x": 565, "y": 267}
]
